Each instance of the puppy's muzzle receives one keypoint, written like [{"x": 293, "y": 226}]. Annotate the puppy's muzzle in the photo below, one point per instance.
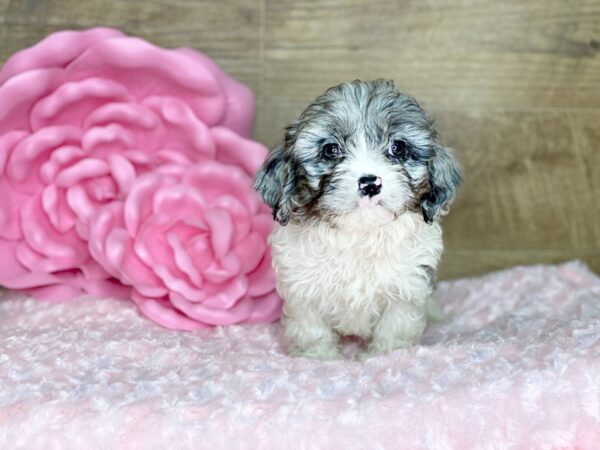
[{"x": 369, "y": 185}]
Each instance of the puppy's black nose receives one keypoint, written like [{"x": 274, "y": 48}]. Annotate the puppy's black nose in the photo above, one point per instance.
[{"x": 369, "y": 185}]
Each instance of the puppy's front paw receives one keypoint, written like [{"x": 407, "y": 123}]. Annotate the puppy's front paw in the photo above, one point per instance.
[
  {"x": 401, "y": 326},
  {"x": 317, "y": 352},
  {"x": 309, "y": 336},
  {"x": 379, "y": 347}
]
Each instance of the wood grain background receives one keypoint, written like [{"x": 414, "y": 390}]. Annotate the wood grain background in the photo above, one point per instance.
[{"x": 514, "y": 86}]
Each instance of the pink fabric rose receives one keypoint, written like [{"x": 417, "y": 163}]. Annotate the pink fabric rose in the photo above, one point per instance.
[
  {"x": 82, "y": 115},
  {"x": 192, "y": 242}
]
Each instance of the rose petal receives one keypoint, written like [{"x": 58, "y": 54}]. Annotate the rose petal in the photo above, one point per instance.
[
  {"x": 114, "y": 251},
  {"x": 113, "y": 137},
  {"x": 220, "y": 271},
  {"x": 129, "y": 125},
  {"x": 104, "y": 221},
  {"x": 66, "y": 249},
  {"x": 91, "y": 270},
  {"x": 56, "y": 50},
  {"x": 163, "y": 313},
  {"x": 149, "y": 244},
  {"x": 59, "y": 158},
  {"x": 138, "y": 203},
  {"x": 225, "y": 295},
  {"x": 104, "y": 288},
  {"x": 86, "y": 168},
  {"x": 101, "y": 189},
  {"x": 263, "y": 223},
  {"x": 20, "y": 93},
  {"x": 240, "y": 214},
  {"x": 12, "y": 200},
  {"x": 262, "y": 280},
  {"x": 239, "y": 100},
  {"x": 147, "y": 70},
  {"x": 9, "y": 141},
  {"x": 200, "y": 252},
  {"x": 267, "y": 308},
  {"x": 21, "y": 166},
  {"x": 55, "y": 293},
  {"x": 251, "y": 251},
  {"x": 40, "y": 263},
  {"x": 237, "y": 313},
  {"x": 119, "y": 253},
  {"x": 122, "y": 171},
  {"x": 80, "y": 203},
  {"x": 152, "y": 248},
  {"x": 126, "y": 114},
  {"x": 189, "y": 229},
  {"x": 74, "y": 284},
  {"x": 173, "y": 157},
  {"x": 72, "y": 102},
  {"x": 183, "y": 260},
  {"x": 16, "y": 276},
  {"x": 215, "y": 180},
  {"x": 178, "y": 284},
  {"x": 183, "y": 131},
  {"x": 179, "y": 201},
  {"x": 234, "y": 149},
  {"x": 111, "y": 247},
  {"x": 221, "y": 231},
  {"x": 57, "y": 209},
  {"x": 138, "y": 157}
]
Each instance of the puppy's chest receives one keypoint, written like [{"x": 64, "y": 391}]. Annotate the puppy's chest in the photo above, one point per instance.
[{"x": 354, "y": 270}]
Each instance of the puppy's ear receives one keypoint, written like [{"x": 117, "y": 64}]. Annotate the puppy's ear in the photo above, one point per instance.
[
  {"x": 275, "y": 182},
  {"x": 445, "y": 176}
]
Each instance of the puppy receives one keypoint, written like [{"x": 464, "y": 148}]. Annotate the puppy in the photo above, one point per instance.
[{"x": 357, "y": 188}]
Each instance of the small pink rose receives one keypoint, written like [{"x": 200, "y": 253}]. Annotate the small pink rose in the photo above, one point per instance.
[
  {"x": 82, "y": 115},
  {"x": 192, "y": 242}
]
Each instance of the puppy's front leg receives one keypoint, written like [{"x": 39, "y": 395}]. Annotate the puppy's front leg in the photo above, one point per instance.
[
  {"x": 308, "y": 335},
  {"x": 400, "y": 326}
]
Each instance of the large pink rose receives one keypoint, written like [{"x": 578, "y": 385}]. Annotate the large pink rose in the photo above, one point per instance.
[
  {"x": 192, "y": 242},
  {"x": 82, "y": 114}
]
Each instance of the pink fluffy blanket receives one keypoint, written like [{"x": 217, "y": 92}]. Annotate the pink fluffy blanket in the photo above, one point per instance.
[{"x": 516, "y": 364}]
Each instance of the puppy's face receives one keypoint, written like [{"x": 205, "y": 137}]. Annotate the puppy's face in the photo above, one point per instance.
[{"x": 360, "y": 153}]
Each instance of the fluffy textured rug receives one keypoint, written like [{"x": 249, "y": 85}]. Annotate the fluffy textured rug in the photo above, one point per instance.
[{"x": 516, "y": 364}]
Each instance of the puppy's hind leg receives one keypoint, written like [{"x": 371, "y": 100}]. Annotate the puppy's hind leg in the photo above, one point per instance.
[{"x": 309, "y": 336}]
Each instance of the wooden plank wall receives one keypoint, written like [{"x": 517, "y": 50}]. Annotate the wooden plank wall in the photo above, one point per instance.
[{"x": 514, "y": 86}]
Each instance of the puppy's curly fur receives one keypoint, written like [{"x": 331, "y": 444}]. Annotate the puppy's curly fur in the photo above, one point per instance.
[{"x": 358, "y": 188}]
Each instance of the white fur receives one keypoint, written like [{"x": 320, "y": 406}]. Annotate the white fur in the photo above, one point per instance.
[{"x": 353, "y": 279}]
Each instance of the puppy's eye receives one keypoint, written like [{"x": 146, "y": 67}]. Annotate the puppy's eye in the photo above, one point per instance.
[
  {"x": 398, "y": 149},
  {"x": 332, "y": 151}
]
